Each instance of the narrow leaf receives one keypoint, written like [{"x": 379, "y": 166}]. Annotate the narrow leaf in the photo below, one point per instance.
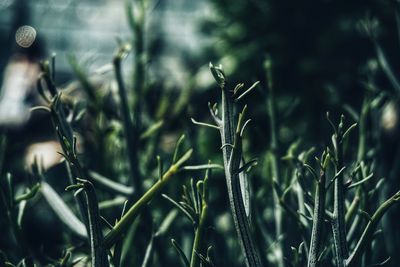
[
  {"x": 181, "y": 254},
  {"x": 62, "y": 210}
]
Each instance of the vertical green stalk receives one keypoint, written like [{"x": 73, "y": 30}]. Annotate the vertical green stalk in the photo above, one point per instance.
[
  {"x": 360, "y": 159},
  {"x": 362, "y": 140},
  {"x": 362, "y": 130},
  {"x": 194, "y": 260},
  {"x": 338, "y": 222},
  {"x": 98, "y": 252},
  {"x": 234, "y": 187},
  {"x": 232, "y": 156},
  {"x": 318, "y": 222},
  {"x": 300, "y": 199},
  {"x": 137, "y": 25},
  {"x": 129, "y": 129},
  {"x": 63, "y": 130},
  {"x": 9, "y": 212},
  {"x": 274, "y": 161}
]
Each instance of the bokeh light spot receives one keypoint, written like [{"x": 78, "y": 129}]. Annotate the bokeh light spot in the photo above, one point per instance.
[{"x": 25, "y": 36}]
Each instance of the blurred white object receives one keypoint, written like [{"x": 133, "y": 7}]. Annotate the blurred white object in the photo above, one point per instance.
[
  {"x": 19, "y": 79},
  {"x": 389, "y": 118},
  {"x": 45, "y": 152}
]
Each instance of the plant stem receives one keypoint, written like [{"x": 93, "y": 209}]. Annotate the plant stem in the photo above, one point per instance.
[
  {"x": 122, "y": 225},
  {"x": 194, "y": 260},
  {"x": 274, "y": 161},
  {"x": 9, "y": 212},
  {"x": 362, "y": 130},
  {"x": 352, "y": 208},
  {"x": 234, "y": 190},
  {"x": 63, "y": 130},
  {"x": 338, "y": 222},
  {"x": 318, "y": 222},
  {"x": 129, "y": 129},
  {"x": 137, "y": 25},
  {"x": 232, "y": 158},
  {"x": 99, "y": 255},
  {"x": 367, "y": 236}
]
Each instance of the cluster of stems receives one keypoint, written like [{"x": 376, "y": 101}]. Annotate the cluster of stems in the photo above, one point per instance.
[
  {"x": 231, "y": 126},
  {"x": 339, "y": 216}
]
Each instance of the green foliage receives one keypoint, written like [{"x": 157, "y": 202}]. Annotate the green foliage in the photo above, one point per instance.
[{"x": 285, "y": 208}]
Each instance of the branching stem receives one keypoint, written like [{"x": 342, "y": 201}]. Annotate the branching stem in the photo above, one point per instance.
[{"x": 120, "y": 228}]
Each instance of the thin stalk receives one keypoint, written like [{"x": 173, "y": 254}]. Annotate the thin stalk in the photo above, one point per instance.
[
  {"x": 120, "y": 228},
  {"x": 116, "y": 202},
  {"x": 353, "y": 208},
  {"x": 318, "y": 222},
  {"x": 353, "y": 228},
  {"x": 232, "y": 157},
  {"x": 387, "y": 69},
  {"x": 338, "y": 222},
  {"x": 274, "y": 162},
  {"x": 362, "y": 139},
  {"x": 361, "y": 193},
  {"x": 58, "y": 109},
  {"x": 98, "y": 253},
  {"x": 7, "y": 205},
  {"x": 110, "y": 185},
  {"x": 362, "y": 130},
  {"x": 65, "y": 136},
  {"x": 300, "y": 201},
  {"x": 194, "y": 261},
  {"x": 367, "y": 236},
  {"x": 130, "y": 129},
  {"x": 234, "y": 187}
]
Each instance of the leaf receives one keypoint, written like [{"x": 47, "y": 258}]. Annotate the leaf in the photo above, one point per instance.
[
  {"x": 181, "y": 254},
  {"x": 149, "y": 252},
  {"x": 62, "y": 210},
  {"x": 152, "y": 130},
  {"x": 203, "y": 167},
  {"x": 166, "y": 223},
  {"x": 361, "y": 181},
  {"x": 178, "y": 145},
  {"x": 218, "y": 74},
  {"x": 110, "y": 184},
  {"x": 245, "y": 189},
  {"x": 247, "y": 91},
  {"x": 349, "y": 130},
  {"x": 386, "y": 67},
  {"x": 204, "y": 124},
  {"x": 181, "y": 208},
  {"x": 30, "y": 193},
  {"x": 21, "y": 210}
]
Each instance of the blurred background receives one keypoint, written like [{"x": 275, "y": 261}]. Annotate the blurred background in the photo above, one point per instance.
[{"x": 325, "y": 57}]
